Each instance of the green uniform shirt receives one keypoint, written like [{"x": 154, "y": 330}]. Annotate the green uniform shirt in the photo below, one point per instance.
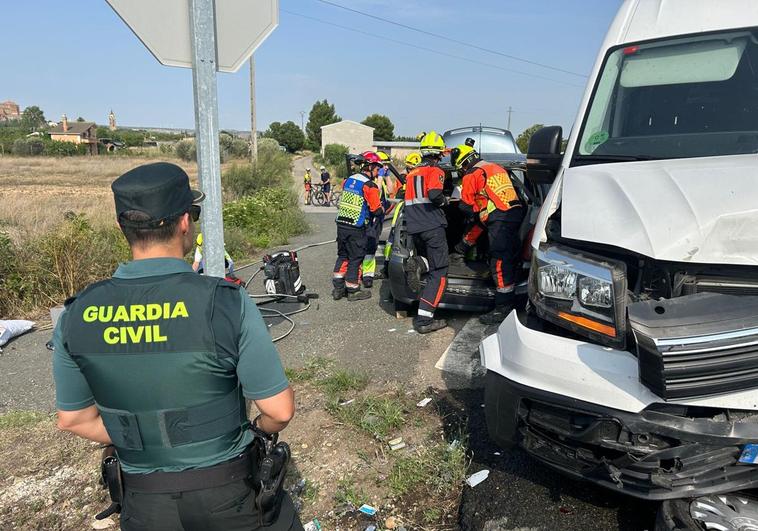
[{"x": 259, "y": 369}]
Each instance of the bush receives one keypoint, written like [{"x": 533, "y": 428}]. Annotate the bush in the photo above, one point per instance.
[
  {"x": 233, "y": 147},
  {"x": 166, "y": 149},
  {"x": 186, "y": 150},
  {"x": 26, "y": 147},
  {"x": 53, "y": 266},
  {"x": 55, "y": 148},
  {"x": 271, "y": 169},
  {"x": 334, "y": 154},
  {"x": 270, "y": 217}
]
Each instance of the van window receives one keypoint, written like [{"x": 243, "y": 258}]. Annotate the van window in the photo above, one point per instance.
[{"x": 676, "y": 98}]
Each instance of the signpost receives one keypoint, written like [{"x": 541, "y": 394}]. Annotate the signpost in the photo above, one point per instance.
[{"x": 207, "y": 36}]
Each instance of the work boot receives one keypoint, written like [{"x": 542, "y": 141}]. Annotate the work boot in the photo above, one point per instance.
[
  {"x": 425, "y": 325},
  {"x": 457, "y": 258},
  {"x": 379, "y": 274},
  {"x": 496, "y": 316},
  {"x": 338, "y": 293},
  {"x": 368, "y": 282},
  {"x": 359, "y": 295},
  {"x": 414, "y": 268}
]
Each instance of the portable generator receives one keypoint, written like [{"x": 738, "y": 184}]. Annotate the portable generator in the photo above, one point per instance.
[{"x": 282, "y": 274}]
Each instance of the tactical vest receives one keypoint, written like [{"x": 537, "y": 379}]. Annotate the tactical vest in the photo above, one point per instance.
[
  {"x": 498, "y": 187},
  {"x": 166, "y": 393},
  {"x": 353, "y": 208}
]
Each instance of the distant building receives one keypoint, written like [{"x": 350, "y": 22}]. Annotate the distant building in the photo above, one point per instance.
[
  {"x": 111, "y": 121},
  {"x": 9, "y": 110},
  {"x": 76, "y": 132},
  {"x": 396, "y": 150},
  {"x": 357, "y": 137}
]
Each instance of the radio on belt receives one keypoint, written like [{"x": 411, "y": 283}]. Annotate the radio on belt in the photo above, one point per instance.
[{"x": 282, "y": 274}]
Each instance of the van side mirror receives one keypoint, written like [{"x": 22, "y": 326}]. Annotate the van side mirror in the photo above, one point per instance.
[{"x": 543, "y": 159}]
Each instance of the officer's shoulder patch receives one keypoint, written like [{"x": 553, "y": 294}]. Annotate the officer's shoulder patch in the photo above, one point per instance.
[{"x": 224, "y": 283}]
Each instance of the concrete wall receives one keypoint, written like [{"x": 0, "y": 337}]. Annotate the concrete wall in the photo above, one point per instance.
[{"x": 357, "y": 137}]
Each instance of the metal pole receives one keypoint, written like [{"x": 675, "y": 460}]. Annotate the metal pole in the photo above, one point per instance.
[
  {"x": 302, "y": 121},
  {"x": 204, "y": 63},
  {"x": 510, "y": 111},
  {"x": 253, "y": 127}
]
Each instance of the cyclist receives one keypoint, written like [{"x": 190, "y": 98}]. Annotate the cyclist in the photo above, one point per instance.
[
  {"x": 307, "y": 184},
  {"x": 326, "y": 185}
]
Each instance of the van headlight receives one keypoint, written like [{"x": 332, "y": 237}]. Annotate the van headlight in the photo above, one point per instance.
[{"x": 582, "y": 292}]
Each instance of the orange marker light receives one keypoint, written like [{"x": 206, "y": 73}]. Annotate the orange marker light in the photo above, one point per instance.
[{"x": 589, "y": 324}]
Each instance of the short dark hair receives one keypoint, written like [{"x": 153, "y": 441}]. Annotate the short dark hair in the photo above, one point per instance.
[{"x": 147, "y": 235}]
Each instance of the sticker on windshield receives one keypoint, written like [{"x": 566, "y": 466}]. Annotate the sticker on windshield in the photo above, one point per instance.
[{"x": 596, "y": 139}]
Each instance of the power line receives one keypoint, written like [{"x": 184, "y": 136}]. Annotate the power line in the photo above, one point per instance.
[
  {"x": 430, "y": 50},
  {"x": 444, "y": 37}
]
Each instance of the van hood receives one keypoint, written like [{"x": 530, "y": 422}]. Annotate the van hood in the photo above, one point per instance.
[{"x": 702, "y": 210}]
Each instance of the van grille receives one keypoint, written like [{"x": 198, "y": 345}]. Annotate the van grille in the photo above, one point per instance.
[{"x": 700, "y": 365}]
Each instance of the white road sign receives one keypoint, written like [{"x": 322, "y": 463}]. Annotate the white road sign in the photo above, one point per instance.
[{"x": 163, "y": 26}]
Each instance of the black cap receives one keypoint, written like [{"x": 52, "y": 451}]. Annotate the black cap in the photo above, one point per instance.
[{"x": 161, "y": 190}]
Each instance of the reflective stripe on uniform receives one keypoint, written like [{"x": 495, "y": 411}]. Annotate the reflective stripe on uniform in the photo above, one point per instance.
[
  {"x": 419, "y": 201},
  {"x": 425, "y": 313},
  {"x": 507, "y": 289}
]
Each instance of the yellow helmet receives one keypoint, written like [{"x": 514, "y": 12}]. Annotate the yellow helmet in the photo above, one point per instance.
[
  {"x": 383, "y": 157},
  {"x": 432, "y": 144},
  {"x": 459, "y": 155},
  {"x": 199, "y": 239},
  {"x": 413, "y": 159}
]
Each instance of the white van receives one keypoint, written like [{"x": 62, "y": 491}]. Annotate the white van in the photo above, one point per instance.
[{"x": 635, "y": 363}]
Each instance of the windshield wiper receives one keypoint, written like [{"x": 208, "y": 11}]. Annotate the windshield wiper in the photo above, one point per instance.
[{"x": 613, "y": 158}]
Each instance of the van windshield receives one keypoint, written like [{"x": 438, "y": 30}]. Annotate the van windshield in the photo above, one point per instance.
[{"x": 676, "y": 98}]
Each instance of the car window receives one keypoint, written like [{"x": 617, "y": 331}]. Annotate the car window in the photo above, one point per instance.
[{"x": 485, "y": 142}]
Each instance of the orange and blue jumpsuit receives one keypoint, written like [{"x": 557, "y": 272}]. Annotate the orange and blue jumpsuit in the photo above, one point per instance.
[
  {"x": 488, "y": 192},
  {"x": 359, "y": 203},
  {"x": 426, "y": 222}
]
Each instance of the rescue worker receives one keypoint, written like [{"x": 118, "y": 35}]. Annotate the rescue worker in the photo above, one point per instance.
[
  {"x": 488, "y": 192},
  {"x": 157, "y": 361},
  {"x": 411, "y": 161},
  {"x": 326, "y": 185},
  {"x": 426, "y": 222},
  {"x": 198, "y": 263},
  {"x": 359, "y": 202},
  {"x": 374, "y": 228},
  {"x": 308, "y": 185}
]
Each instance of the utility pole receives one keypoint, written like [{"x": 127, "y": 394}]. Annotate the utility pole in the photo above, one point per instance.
[
  {"x": 253, "y": 126},
  {"x": 302, "y": 121},
  {"x": 510, "y": 111}
]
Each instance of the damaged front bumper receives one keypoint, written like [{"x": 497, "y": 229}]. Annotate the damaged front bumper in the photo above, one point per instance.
[{"x": 544, "y": 393}]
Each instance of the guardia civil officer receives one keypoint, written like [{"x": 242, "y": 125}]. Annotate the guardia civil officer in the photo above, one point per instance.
[{"x": 158, "y": 361}]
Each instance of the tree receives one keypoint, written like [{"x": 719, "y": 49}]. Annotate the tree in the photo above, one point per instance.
[
  {"x": 288, "y": 134},
  {"x": 384, "y": 129},
  {"x": 523, "y": 139},
  {"x": 80, "y": 119},
  {"x": 322, "y": 113},
  {"x": 33, "y": 118}
]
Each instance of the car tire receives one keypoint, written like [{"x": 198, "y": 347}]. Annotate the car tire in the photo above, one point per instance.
[{"x": 674, "y": 515}]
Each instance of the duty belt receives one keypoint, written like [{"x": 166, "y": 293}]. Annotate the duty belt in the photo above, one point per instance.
[{"x": 240, "y": 467}]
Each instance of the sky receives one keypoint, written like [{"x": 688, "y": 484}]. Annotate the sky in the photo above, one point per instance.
[{"x": 79, "y": 58}]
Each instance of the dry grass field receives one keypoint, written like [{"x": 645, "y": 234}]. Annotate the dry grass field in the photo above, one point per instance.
[{"x": 35, "y": 192}]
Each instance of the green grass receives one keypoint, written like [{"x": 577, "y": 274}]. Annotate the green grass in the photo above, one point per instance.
[
  {"x": 433, "y": 469},
  {"x": 347, "y": 492},
  {"x": 432, "y": 515},
  {"x": 341, "y": 382},
  {"x": 377, "y": 416},
  {"x": 314, "y": 369},
  {"x": 21, "y": 419}
]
